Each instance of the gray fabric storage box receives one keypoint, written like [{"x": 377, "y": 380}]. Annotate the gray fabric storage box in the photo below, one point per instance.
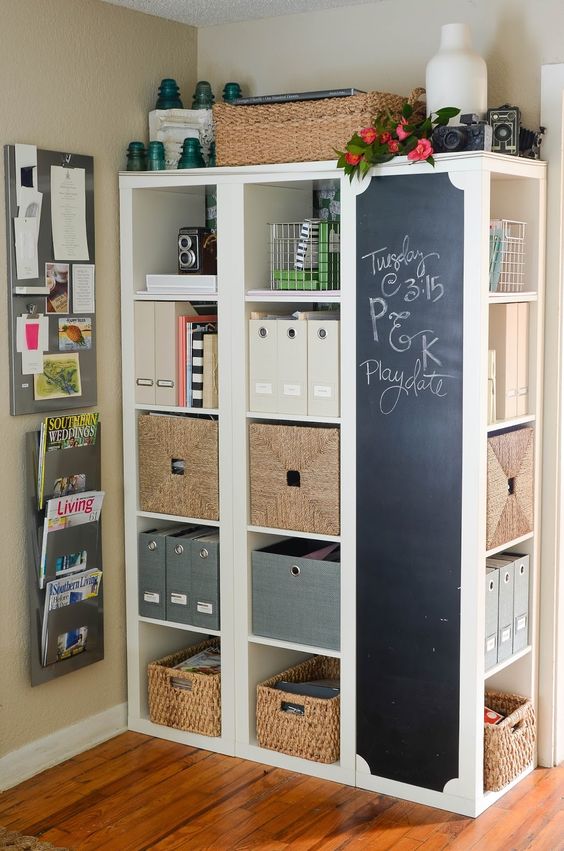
[
  {"x": 192, "y": 578},
  {"x": 179, "y": 602},
  {"x": 205, "y": 580},
  {"x": 296, "y": 598},
  {"x": 151, "y": 567}
]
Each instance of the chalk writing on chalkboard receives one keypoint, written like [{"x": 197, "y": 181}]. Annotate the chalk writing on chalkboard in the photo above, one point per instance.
[{"x": 402, "y": 276}]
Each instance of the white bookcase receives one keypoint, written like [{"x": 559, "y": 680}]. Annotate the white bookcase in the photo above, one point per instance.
[{"x": 153, "y": 207}]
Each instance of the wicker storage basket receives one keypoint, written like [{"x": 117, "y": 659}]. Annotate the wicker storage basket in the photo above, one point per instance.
[
  {"x": 300, "y": 131},
  {"x": 313, "y": 735},
  {"x": 510, "y": 745},
  {"x": 510, "y": 486},
  {"x": 295, "y": 477},
  {"x": 196, "y": 708},
  {"x": 188, "y": 487}
]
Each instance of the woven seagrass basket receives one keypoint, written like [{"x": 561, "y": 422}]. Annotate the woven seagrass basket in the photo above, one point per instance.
[
  {"x": 509, "y": 746},
  {"x": 313, "y": 735},
  {"x": 300, "y": 131},
  {"x": 196, "y": 708},
  {"x": 295, "y": 477},
  {"x": 178, "y": 466},
  {"x": 510, "y": 486}
]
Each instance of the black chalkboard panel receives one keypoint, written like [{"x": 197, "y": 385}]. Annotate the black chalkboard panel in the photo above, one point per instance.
[{"x": 410, "y": 244}]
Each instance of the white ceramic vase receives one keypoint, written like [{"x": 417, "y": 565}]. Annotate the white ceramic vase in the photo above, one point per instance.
[{"x": 457, "y": 75}]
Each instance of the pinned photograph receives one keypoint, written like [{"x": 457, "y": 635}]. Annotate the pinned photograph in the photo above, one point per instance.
[
  {"x": 60, "y": 377},
  {"x": 75, "y": 334},
  {"x": 57, "y": 282}
]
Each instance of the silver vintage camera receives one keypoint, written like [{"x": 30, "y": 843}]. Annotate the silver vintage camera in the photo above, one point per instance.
[
  {"x": 197, "y": 251},
  {"x": 505, "y": 123},
  {"x": 471, "y": 135}
]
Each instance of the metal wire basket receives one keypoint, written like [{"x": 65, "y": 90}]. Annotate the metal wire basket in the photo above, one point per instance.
[
  {"x": 507, "y": 256},
  {"x": 305, "y": 255}
]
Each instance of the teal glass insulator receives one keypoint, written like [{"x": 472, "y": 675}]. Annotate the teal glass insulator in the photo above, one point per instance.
[
  {"x": 136, "y": 157},
  {"x": 211, "y": 157},
  {"x": 231, "y": 91},
  {"x": 191, "y": 156},
  {"x": 203, "y": 97},
  {"x": 156, "y": 157},
  {"x": 169, "y": 95}
]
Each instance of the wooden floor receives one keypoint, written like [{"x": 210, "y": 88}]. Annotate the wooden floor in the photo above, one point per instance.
[{"x": 135, "y": 792}]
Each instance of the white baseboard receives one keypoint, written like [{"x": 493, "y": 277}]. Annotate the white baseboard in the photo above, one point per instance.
[{"x": 64, "y": 744}]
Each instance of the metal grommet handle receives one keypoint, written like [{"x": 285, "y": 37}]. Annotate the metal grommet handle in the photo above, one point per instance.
[
  {"x": 295, "y": 570},
  {"x": 263, "y": 332},
  {"x": 152, "y": 545},
  {"x": 291, "y": 332},
  {"x": 322, "y": 333},
  {"x": 204, "y": 553},
  {"x": 179, "y": 549}
]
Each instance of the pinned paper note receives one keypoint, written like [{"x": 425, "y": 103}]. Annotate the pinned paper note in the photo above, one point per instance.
[
  {"x": 68, "y": 213},
  {"x": 32, "y": 339}
]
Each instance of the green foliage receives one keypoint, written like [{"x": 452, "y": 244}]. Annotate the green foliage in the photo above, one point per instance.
[{"x": 390, "y": 136}]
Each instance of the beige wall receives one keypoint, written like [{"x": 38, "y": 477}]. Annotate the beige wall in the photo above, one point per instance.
[
  {"x": 385, "y": 46},
  {"x": 77, "y": 75}
]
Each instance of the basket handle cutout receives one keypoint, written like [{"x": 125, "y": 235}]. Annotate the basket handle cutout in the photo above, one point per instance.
[
  {"x": 293, "y": 479},
  {"x": 292, "y": 708},
  {"x": 511, "y": 486},
  {"x": 177, "y": 466},
  {"x": 518, "y": 727}
]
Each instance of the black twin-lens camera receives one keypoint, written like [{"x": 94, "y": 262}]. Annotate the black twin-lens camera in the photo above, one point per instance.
[
  {"x": 197, "y": 251},
  {"x": 471, "y": 135}
]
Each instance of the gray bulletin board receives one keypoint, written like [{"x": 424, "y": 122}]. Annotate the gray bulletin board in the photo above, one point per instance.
[{"x": 60, "y": 298}]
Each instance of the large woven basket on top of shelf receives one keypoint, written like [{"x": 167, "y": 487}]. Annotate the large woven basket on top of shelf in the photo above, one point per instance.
[
  {"x": 510, "y": 486},
  {"x": 298, "y": 131},
  {"x": 196, "y": 708},
  {"x": 509, "y": 746},
  {"x": 313, "y": 735}
]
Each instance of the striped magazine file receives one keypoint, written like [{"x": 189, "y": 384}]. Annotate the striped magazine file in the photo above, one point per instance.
[{"x": 197, "y": 366}]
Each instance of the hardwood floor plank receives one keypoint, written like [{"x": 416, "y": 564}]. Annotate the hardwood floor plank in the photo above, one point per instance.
[{"x": 136, "y": 793}]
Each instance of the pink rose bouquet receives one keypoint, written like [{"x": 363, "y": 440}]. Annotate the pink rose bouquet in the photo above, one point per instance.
[{"x": 391, "y": 136}]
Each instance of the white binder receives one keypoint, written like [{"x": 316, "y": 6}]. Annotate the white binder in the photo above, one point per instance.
[
  {"x": 262, "y": 365},
  {"x": 323, "y": 367},
  {"x": 292, "y": 366},
  {"x": 144, "y": 328}
]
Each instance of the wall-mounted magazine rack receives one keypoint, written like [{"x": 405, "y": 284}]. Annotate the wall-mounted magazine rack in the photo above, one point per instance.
[{"x": 76, "y": 629}]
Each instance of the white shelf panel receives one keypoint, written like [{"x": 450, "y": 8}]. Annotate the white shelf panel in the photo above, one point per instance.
[
  {"x": 184, "y": 295},
  {"x": 291, "y": 533},
  {"x": 186, "y": 627},
  {"x": 499, "y": 425},
  {"x": 174, "y": 409},
  {"x": 333, "y": 771},
  {"x": 509, "y": 544},
  {"x": 217, "y": 744},
  {"x": 290, "y": 645},
  {"x": 510, "y": 298},
  {"x": 505, "y": 664},
  {"x": 293, "y": 296},
  {"x": 178, "y": 518},
  {"x": 490, "y": 798},
  {"x": 298, "y": 418}
]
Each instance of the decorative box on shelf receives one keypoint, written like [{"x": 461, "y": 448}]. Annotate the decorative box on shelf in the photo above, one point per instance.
[{"x": 172, "y": 126}]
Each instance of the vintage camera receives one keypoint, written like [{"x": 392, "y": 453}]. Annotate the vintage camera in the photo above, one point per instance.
[
  {"x": 197, "y": 251},
  {"x": 505, "y": 123},
  {"x": 471, "y": 135}
]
